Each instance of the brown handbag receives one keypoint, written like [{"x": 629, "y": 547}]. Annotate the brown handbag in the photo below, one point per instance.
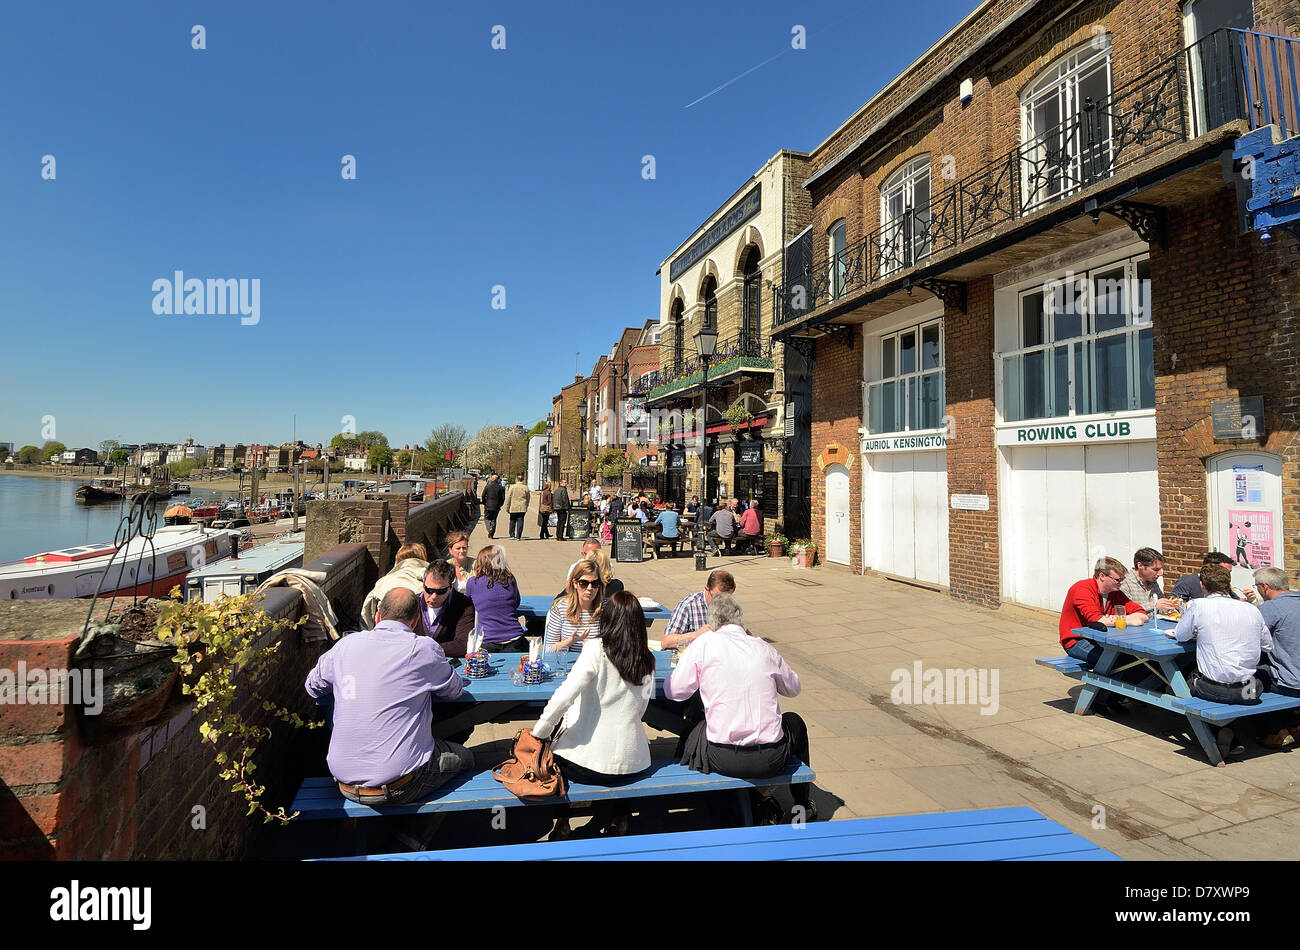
[{"x": 531, "y": 771}]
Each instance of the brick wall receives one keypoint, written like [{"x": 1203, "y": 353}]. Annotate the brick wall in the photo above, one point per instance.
[
  {"x": 430, "y": 522},
  {"x": 1225, "y": 306},
  {"x": 973, "y": 549},
  {"x": 361, "y": 521},
  {"x": 836, "y": 417}
]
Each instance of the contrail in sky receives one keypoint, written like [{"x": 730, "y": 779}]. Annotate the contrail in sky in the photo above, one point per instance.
[{"x": 737, "y": 78}]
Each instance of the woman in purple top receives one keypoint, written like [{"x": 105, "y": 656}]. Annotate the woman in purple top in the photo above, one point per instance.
[{"x": 496, "y": 602}]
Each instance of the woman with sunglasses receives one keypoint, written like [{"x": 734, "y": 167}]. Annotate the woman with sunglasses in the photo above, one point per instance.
[
  {"x": 458, "y": 557},
  {"x": 575, "y": 614},
  {"x": 598, "y": 710}
]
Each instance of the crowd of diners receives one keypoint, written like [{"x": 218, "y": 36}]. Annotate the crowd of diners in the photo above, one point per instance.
[
  {"x": 381, "y": 681},
  {"x": 1247, "y": 640}
]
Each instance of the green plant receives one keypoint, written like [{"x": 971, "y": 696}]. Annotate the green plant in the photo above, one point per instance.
[
  {"x": 738, "y": 415},
  {"x": 801, "y": 544},
  {"x": 215, "y": 643},
  {"x": 778, "y": 538}
]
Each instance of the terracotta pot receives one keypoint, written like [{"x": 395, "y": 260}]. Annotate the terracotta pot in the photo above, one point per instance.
[{"x": 775, "y": 549}]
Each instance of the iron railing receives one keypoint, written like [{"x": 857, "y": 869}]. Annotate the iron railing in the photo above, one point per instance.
[
  {"x": 748, "y": 344},
  {"x": 1229, "y": 75}
]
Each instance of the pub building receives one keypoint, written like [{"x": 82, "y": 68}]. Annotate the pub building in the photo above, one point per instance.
[
  {"x": 1042, "y": 327},
  {"x": 754, "y": 442}
]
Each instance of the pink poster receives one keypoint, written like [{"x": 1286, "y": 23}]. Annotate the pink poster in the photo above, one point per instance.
[{"x": 1251, "y": 533}]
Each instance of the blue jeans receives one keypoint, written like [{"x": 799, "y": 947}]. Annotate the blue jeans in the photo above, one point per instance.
[{"x": 1090, "y": 653}]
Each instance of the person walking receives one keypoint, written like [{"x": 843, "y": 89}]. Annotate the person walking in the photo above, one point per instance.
[
  {"x": 544, "y": 508},
  {"x": 493, "y": 498},
  {"x": 517, "y": 496},
  {"x": 560, "y": 500}
]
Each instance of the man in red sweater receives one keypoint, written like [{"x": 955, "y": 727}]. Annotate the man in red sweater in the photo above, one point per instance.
[{"x": 1093, "y": 601}]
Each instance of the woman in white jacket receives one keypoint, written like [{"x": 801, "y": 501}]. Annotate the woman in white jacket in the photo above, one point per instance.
[{"x": 599, "y": 708}]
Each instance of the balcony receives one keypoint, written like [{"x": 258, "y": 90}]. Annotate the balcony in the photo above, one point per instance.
[
  {"x": 1230, "y": 76},
  {"x": 742, "y": 353}
]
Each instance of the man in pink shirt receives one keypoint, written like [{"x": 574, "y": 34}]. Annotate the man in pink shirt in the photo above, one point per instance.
[
  {"x": 744, "y": 733},
  {"x": 751, "y": 525}
]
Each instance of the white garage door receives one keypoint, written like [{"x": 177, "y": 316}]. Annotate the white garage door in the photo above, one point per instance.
[
  {"x": 1067, "y": 506},
  {"x": 906, "y": 530}
]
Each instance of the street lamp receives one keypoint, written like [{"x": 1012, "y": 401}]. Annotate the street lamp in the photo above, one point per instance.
[
  {"x": 582, "y": 439},
  {"x": 550, "y": 428},
  {"x": 706, "y": 342}
]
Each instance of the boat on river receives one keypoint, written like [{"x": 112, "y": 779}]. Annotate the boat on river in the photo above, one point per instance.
[{"x": 101, "y": 491}]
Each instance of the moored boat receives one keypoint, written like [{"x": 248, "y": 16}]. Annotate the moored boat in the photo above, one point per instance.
[
  {"x": 101, "y": 490},
  {"x": 143, "y": 568}
]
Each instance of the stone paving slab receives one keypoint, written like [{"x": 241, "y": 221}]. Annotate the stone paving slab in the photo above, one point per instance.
[{"x": 1138, "y": 786}]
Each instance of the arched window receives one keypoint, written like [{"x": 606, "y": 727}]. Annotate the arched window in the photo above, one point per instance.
[
  {"x": 1067, "y": 126},
  {"x": 835, "y": 253},
  {"x": 679, "y": 332},
  {"x": 751, "y": 312},
  {"x": 709, "y": 297},
  {"x": 905, "y": 216}
]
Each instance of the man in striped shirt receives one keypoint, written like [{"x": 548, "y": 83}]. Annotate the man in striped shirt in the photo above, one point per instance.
[{"x": 688, "y": 620}]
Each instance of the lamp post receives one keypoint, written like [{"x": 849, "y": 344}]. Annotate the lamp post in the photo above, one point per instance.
[
  {"x": 582, "y": 439},
  {"x": 706, "y": 342},
  {"x": 550, "y": 428}
]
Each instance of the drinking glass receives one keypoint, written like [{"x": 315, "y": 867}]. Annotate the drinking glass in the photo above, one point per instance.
[{"x": 1121, "y": 622}]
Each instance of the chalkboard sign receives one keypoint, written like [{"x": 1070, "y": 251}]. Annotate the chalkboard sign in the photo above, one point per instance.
[
  {"x": 580, "y": 524},
  {"x": 628, "y": 539},
  {"x": 749, "y": 454}
]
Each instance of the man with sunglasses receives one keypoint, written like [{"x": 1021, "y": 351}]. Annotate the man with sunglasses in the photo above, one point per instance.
[
  {"x": 1092, "y": 602},
  {"x": 446, "y": 614}
]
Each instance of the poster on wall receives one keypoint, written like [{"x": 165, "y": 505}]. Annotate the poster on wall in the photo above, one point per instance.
[
  {"x": 1248, "y": 484},
  {"x": 1251, "y": 533}
]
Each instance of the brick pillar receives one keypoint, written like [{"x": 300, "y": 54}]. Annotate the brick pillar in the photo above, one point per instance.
[
  {"x": 973, "y": 543},
  {"x": 836, "y": 418},
  {"x": 58, "y": 797}
]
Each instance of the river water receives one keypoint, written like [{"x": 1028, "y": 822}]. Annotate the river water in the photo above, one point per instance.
[{"x": 42, "y": 514}]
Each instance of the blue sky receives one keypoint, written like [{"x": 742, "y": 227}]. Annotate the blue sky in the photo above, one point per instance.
[{"x": 475, "y": 168}]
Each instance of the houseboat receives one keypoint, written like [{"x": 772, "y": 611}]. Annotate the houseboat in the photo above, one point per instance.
[
  {"x": 243, "y": 574},
  {"x": 101, "y": 490}
]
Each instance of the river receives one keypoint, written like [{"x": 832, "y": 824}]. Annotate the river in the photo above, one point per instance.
[{"x": 42, "y": 514}]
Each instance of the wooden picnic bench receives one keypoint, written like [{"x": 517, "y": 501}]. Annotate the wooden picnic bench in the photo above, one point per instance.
[
  {"x": 1166, "y": 686},
  {"x": 994, "y": 834},
  {"x": 320, "y": 798}
]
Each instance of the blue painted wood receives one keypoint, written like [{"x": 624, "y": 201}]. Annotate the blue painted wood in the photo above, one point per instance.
[
  {"x": 1226, "y": 712},
  {"x": 319, "y": 798},
  {"x": 536, "y": 606},
  {"x": 498, "y": 688},
  {"x": 1064, "y": 664},
  {"x": 1148, "y": 640},
  {"x": 1002, "y": 833}
]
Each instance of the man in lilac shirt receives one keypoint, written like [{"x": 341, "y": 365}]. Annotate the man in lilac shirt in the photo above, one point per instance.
[
  {"x": 382, "y": 683},
  {"x": 738, "y": 676}
]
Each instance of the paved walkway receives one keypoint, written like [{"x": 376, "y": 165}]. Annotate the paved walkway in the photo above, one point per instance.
[{"x": 1140, "y": 787}]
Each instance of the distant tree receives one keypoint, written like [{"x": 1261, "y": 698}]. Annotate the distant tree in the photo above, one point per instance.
[
  {"x": 403, "y": 460},
  {"x": 539, "y": 429},
  {"x": 119, "y": 456},
  {"x": 489, "y": 444},
  {"x": 446, "y": 438},
  {"x": 379, "y": 456},
  {"x": 347, "y": 442},
  {"x": 29, "y": 455},
  {"x": 51, "y": 449},
  {"x": 107, "y": 446},
  {"x": 372, "y": 437},
  {"x": 182, "y": 469}
]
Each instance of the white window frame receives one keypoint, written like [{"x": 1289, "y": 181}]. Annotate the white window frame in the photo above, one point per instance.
[
  {"x": 1080, "y": 350},
  {"x": 905, "y": 381},
  {"x": 1061, "y": 81},
  {"x": 902, "y": 185}
]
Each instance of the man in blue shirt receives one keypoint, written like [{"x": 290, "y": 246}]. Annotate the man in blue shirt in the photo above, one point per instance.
[
  {"x": 1281, "y": 612},
  {"x": 1189, "y": 585}
]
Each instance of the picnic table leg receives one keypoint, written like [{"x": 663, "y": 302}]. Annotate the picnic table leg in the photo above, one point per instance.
[
  {"x": 1109, "y": 656},
  {"x": 1207, "y": 739}
]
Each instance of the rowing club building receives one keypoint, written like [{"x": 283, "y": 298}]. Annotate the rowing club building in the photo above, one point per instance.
[{"x": 1043, "y": 323}]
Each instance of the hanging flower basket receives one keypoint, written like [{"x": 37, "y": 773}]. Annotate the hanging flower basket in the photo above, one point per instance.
[{"x": 138, "y": 675}]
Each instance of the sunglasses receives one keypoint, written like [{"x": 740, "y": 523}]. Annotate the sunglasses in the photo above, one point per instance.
[
  {"x": 435, "y": 591},
  {"x": 583, "y": 582}
]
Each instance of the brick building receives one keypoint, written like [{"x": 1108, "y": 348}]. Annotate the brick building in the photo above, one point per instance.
[
  {"x": 1026, "y": 297},
  {"x": 721, "y": 278}
]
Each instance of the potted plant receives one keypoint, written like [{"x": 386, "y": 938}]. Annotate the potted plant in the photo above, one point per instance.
[
  {"x": 738, "y": 415},
  {"x": 804, "y": 551},
  {"x": 138, "y": 671},
  {"x": 776, "y": 543}
]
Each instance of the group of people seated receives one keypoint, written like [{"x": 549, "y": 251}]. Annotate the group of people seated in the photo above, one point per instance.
[
  {"x": 1247, "y": 641},
  {"x": 382, "y": 682}
]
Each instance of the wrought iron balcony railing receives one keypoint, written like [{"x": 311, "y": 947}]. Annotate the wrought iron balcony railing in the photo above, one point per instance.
[
  {"x": 743, "y": 349},
  {"x": 1229, "y": 75}
]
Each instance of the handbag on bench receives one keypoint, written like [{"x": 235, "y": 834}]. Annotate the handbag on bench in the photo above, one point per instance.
[{"x": 531, "y": 772}]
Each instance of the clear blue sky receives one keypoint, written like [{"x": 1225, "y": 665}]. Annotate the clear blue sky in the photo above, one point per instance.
[{"x": 475, "y": 167}]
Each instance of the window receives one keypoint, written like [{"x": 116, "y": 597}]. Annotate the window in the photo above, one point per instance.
[
  {"x": 905, "y": 216},
  {"x": 835, "y": 254},
  {"x": 709, "y": 296},
  {"x": 1066, "y": 124},
  {"x": 909, "y": 394},
  {"x": 1085, "y": 345},
  {"x": 679, "y": 333}
]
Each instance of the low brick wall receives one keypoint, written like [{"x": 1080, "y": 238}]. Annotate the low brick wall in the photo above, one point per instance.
[
  {"x": 431, "y": 522},
  {"x": 151, "y": 794}
]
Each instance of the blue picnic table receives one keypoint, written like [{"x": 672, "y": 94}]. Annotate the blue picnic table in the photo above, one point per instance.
[
  {"x": 535, "y": 607},
  {"x": 994, "y": 834}
]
